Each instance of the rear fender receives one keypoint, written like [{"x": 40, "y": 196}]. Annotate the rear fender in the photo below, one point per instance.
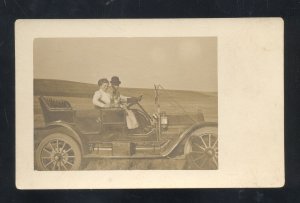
[
  {"x": 178, "y": 148},
  {"x": 69, "y": 130}
]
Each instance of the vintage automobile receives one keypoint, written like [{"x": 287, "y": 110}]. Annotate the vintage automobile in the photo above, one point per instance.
[{"x": 71, "y": 137}]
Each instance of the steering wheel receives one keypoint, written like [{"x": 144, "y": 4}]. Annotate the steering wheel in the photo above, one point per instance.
[{"x": 134, "y": 100}]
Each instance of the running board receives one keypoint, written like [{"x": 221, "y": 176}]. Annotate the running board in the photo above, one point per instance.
[
  {"x": 126, "y": 149},
  {"x": 98, "y": 156}
]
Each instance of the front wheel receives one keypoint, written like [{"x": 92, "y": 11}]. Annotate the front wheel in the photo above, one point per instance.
[
  {"x": 58, "y": 152},
  {"x": 201, "y": 149}
]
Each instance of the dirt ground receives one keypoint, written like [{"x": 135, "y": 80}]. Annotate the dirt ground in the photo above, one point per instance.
[{"x": 135, "y": 164}]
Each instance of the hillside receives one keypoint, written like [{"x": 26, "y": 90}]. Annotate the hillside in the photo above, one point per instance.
[
  {"x": 63, "y": 88},
  {"x": 172, "y": 101},
  {"x": 49, "y": 87}
]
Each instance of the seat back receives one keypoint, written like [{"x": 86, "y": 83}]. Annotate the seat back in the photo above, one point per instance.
[{"x": 56, "y": 109}]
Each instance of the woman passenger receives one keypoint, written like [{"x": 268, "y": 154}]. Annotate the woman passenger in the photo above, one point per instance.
[{"x": 101, "y": 97}]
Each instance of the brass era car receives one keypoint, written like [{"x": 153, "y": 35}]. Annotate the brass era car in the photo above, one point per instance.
[{"x": 70, "y": 136}]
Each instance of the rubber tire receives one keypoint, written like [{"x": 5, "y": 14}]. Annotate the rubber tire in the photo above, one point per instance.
[
  {"x": 65, "y": 138},
  {"x": 189, "y": 163}
]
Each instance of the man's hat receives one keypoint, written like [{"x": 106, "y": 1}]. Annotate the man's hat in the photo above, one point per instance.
[{"x": 115, "y": 80}]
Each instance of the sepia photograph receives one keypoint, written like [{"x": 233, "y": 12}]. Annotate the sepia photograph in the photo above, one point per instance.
[
  {"x": 149, "y": 103},
  {"x": 131, "y": 103}
]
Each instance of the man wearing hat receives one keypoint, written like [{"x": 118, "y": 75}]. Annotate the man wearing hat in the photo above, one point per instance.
[{"x": 117, "y": 99}]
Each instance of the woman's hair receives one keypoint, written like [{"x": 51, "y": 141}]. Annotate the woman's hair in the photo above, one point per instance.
[{"x": 101, "y": 81}]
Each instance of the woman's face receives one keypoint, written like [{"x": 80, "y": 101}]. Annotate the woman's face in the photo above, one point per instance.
[{"x": 104, "y": 86}]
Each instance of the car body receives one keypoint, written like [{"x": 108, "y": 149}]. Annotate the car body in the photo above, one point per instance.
[{"x": 71, "y": 136}]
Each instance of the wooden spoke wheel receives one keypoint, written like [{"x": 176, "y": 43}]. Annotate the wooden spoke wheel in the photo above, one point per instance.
[
  {"x": 58, "y": 152},
  {"x": 201, "y": 149}
]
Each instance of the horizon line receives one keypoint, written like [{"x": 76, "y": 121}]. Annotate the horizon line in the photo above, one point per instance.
[{"x": 123, "y": 86}]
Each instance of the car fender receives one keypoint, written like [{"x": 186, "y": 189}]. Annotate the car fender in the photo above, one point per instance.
[
  {"x": 69, "y": 129},
  {"x": 177, "y": 149}
]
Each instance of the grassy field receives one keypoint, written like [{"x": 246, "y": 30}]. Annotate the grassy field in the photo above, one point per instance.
[{"x": 172, "y": 102}]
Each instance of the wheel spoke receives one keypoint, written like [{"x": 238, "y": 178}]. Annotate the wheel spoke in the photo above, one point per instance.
[
  {"x": 215, "y": 143},
  {"x": 58, "y": 164},
  {"x": 67, "y": 151},
  {"x": 63, "y": 165},
  {"x": 57, "y": 145},
  {"x": 209, "y": 140},
  {"x": 199, "y": 146},
  {"x": 203, "y": 142},
  {"x": 45, "y": 157},
  {"x": 51, "y": 146},
  {"x": 71, "y": 156},
  {"x": 69, "y": 163},
  {"x": 50, "y": 162},
  {"x": 47, "y": 150},
  {"x": 62, "y": 148}
]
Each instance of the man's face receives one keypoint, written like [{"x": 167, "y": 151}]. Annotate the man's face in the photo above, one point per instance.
[{"x": 115, "y": 86}]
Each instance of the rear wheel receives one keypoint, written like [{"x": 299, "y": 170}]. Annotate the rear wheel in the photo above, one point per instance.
[
  {"x": 58, "y": 152},
  {"x": 201, "y": 149}
]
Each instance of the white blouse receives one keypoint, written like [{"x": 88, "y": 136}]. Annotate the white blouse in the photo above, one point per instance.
[{"x": 101, "y": 99}]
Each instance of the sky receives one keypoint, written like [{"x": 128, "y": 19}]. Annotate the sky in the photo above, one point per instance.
[{"x": 182, "y": 63}]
